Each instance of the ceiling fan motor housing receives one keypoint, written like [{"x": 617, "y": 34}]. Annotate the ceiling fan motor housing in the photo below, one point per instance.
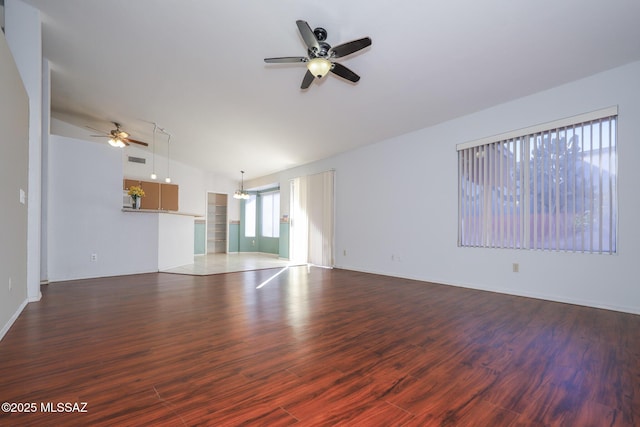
[
  {"x": 323, "y": 52},
  {"x": 320, "y": 33}
]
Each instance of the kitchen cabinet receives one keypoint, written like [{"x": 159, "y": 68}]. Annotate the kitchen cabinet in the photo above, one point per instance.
[
  {"x": 168, "y": 197},
  {"x": 158, "y": 196}
]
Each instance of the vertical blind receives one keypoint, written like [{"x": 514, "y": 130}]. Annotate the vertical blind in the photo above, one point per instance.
[
  {"x": 551, "y": 186},
  {"x": 250, "y": 216},
  {"x": 270, "y": 215},
  {"x": 312, "y": 219}
]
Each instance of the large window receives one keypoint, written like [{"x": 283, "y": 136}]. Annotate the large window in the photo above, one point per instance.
[
  {"x": 270, "y": 214},
  {"x": 548, "y": 187},
  {"x": 250, "y": 216}
]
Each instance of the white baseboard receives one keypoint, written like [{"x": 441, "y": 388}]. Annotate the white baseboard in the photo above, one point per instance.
[
  {"x": 540, "y": 296},
  {"x": 12, "y": 320}
]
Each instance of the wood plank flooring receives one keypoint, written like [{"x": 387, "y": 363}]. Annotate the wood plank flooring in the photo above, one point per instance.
[{"x": 315, "y": 347}]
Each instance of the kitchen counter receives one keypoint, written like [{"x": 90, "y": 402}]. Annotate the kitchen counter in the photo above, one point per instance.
[
  {"x": 161, "y": 211},
  {"x": 171, "y": 233}
]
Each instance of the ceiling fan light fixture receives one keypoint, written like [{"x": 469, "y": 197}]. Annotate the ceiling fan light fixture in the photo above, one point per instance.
[
  {"x": 319, "y": 67},
  {"x": 116, "y": 137},
  {"x": 116, "y": 142}
]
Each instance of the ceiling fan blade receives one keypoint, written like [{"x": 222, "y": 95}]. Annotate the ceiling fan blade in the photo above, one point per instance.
[
  {"x": 307, "y": 35},
  {"x": 285, "y": 60},
  {"x": 344, "y": 72},
  {"x": 126, "y": 140},
  {"x": 350, "y": 47},
  {"x": 307, "y": 80}
]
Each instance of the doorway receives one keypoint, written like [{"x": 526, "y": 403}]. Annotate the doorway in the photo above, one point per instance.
[{"x": 216, "y": 223}]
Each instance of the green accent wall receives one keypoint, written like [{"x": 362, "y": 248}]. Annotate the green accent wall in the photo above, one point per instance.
[
  {"x": 200, "y": 237},
  {"x": 234, "y": 236},
  {"x": 268, "y": 245},
  {"x": 284, "y": 240}
]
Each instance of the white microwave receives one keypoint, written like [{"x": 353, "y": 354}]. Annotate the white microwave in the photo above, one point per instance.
[{"x": 127, "y": 202}]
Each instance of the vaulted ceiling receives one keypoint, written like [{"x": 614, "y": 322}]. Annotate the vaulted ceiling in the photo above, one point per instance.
[{"x": 196, "y": 68}]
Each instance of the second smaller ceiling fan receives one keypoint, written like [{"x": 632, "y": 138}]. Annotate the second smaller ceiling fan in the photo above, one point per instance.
[{"x": 118, "y": 137}]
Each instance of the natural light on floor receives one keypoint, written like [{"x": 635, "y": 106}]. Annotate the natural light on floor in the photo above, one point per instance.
[{"x": 272, "y": 277}]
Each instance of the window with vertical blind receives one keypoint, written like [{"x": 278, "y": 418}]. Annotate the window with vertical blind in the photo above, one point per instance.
[
  {"x": 550, "y": 187},
  {"x": 270, "y": 214},
  {"x": 250, "y": 216}
]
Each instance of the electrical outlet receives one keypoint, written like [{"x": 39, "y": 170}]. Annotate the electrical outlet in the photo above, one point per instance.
[
  {"x": 10, "y": 284},
  {"x": 344, "y": 252},
  {"x": 94, "y": 257},
  {"x": 516, "y": 267}
]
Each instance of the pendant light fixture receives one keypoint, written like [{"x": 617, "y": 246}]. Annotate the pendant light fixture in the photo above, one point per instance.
[
  {"x": 168, "y": 179},
  {"x": 241, "y": 194},
  {"x": 153, "y": 171}
]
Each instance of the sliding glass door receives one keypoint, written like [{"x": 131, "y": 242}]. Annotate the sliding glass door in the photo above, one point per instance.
[{"x": 312, "y": 219}]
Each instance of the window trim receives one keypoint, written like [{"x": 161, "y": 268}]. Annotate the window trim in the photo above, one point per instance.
[
  {"x": 556, "y": 124},
  {"x": 522, "y": 225}
]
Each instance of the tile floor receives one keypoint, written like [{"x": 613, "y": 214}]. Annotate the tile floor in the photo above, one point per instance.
[{"x": 228, "y": 263}]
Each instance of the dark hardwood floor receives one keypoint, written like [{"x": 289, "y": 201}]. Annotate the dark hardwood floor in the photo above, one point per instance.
[{"x": 328, "y": 347}]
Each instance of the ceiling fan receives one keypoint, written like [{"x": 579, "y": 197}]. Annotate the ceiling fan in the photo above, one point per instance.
[
  {"x": 320, "y": 55},
  {"x": 118, "y": 137}
]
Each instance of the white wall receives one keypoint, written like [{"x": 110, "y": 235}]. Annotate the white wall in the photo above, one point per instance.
[
  {"x": 14, "y": 158},
  {"x": 24, "y": 37},
  {"x": 399, "y": 197},
  {"x": 44, "y": 178},
  {"x": 175, "y": 240},
  {"x": 85, "y": 217}
]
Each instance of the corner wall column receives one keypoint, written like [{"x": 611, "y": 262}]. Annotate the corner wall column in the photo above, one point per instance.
[{"x": 23, "y": 31}]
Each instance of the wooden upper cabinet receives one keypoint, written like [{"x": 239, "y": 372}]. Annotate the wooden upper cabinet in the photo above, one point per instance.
[
  {"x": 126, "y": 183},
  {"x": 151, "y": 199},
  {"x": 156, "y": 195},
  {"x": 169, "y": 197}
]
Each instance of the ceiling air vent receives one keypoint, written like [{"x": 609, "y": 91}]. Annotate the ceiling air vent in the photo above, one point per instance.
[{"x": 137, "y": 160}]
